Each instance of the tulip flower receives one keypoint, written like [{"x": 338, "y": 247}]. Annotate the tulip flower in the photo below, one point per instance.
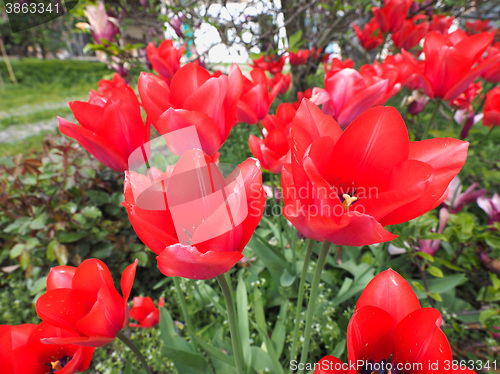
[
  {"x": 346, "y": 95},
  {"x": 194, "y": 219},
  {"x": 337, "y": 65},
  {"x": 256, "y": 99},
  {"x": 345, "y": 186},
  {"x": 492, "y": 108},
  {"x": 371, "y": 37},
  {"x": 166, "y": 59},
  {"x": 493, "y": 73},
  {"x": 302, "y": 55},
  {"x": 284, "y": 79},
  {"x": 390, "y": 329},
  {"x": 449, "y": 65},
  {"x": 195, "y": 100},
  {"x": 272, "y": 150},
  {"x": 144, "y": 311},
  {"x": 477, "y": 26},
  {"x": 111, "y": 123},
  {"x": 378, "y": 72},
  {"x": 272, "y": 64},
  {"x": 491, "y": 206},
  {"x": 441, "y": 23},
  {"x": 392, "y": 15},
  {"x": 410, "y": 33},
  {"x": 85, "y": 301},
  {"x": 104, "y": 28},
  {"x": 23, "y": 352}
]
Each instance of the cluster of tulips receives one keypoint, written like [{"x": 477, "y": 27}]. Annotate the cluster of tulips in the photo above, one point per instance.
[{"x": 347, "y": 167}]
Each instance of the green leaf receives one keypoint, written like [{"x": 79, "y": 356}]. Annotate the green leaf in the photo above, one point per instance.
[
  {"x": 16, "y": 250},
  {"x": 91, "y": 212},
  {"x": 68, "y": 236},
  {"x": 287, "y": 279},
  {"x": 39, "y": 222},
  {"x": 436, "y": 296},
  {"x": 418, "y": 286},
  {"x": 278, "y": 336},
  {"x": 243, "y": 320},
  {"x": 435, "y": 271},
  {"x": 487, "y": 314},
  {"x": 62, "y": 254},
  {"x": 294, "y": 41},
  {"x": 98, "y": 197},
  {"x": 426, "y": 256}
]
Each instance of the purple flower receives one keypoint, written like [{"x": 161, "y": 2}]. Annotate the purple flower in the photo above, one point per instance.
[
  {"x": 102, "y": 25},
  {"x": 491, "y": 207},
  {"x": 457, "y": 199},
  {"x": 431, "y": 246}
]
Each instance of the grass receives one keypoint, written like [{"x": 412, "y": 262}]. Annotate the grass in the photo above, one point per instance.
[{"x": 44, "y": 89}]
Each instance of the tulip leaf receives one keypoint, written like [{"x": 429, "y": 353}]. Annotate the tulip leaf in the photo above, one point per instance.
[
  {"x": 426, "y": 256},
  {"x": 436, "y": 296},
  {"x": 243, "y": 320},
  {"x": 215, "y": 352},
  {"x": 278, "y": 336},
  {"x": 435, "y": 271},
  {"x": 287, "y": 279}
]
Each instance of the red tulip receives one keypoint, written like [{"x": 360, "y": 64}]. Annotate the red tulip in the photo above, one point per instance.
[
  {"x": 302, "y": 55},
  {"x": 23, "y": 352},
  {"x": 84, "y": 301},
  {"x": 389, "y": 327},
  {"x": 405, "y": 73},
  {"x": 493, "y": 73},
  {"x": 272, "y": 64},
  {"x": 345, "y": 186},
  {"x": 449, "y": 62},
  {"x": 337, "y": 65},
  {"x": 285, "y": 81},
  {"x": 256, "y": 99},
  {"x": 272, "y": 150},
  {"x": 392, "y": 15},
  {"x": 371, "y": 37},
  {"x": 166, "y": 60},
  {"x": 492, "y": 108},
  {"x": 477, "y": 26},
  {"x": 411, "y": 33},
  {"x": 144, "y": 311},
  {"x": 194, "y": 100},
  {"x": 111, "y": 123},
  {"x": 465, "y": 99},
  {"x": 347, "y": 94},
  {"x": 193, "y": 218},
  {"x": 441, "y": 23},
  {"x": 378, "y": 72}
]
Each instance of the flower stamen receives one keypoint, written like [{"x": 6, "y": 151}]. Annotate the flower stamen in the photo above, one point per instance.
[{"x": 348, "y": 200}]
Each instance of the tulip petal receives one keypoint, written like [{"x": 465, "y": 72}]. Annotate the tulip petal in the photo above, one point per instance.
[
  {"x": 60, "y": 277},
  {"x": 407, "y": 182},
  {"x": 330, "y": 365},
  {"x": 106, "y": 317},
  {"x": 369, "y": 335},
  {"x": 185, "y": 82},
  {"x": 188, "y": 129},
  {"x": 186, "y": 261},
  {"x": 389, "y": 291},
  {"x": 89, "y": 278},
  {"x": 155, "y": 95},
  {"x": 127, "y": 280},
  {"x": 418, "y": 339},
  {"x": 93, "y": 143},
  {"x": 381, "y": 140},
  {"x": 61, "y": 307},
  {"x": 353, "y": 229}
]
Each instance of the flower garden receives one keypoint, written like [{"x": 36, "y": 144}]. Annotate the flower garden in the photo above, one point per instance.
[{"x": 331, "y": 206}]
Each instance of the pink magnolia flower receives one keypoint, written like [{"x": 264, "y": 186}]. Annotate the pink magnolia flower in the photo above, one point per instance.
[{"x": 102, "y": 25}]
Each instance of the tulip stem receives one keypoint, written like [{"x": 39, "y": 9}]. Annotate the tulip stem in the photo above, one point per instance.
[
  {"x": 300, "y": 298},
  {"x": 274, "y": 187},
  {"x": 185, "y": 311},
  {"x": 233, "y": 328},
  {"x": 259, "y": 125},
  {"x": 311, "y": 306},
  {"x": 487, "y": 135},
  {"x": 129, "y": 343},
  {"x": 384, "y": 41},
  {"x": 431, "y": 121}
]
